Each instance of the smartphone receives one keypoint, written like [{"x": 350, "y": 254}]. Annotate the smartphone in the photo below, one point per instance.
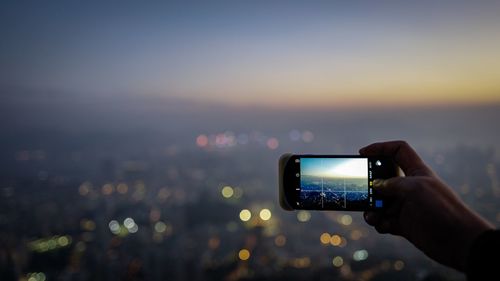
[{"x": 332, "y": 182}]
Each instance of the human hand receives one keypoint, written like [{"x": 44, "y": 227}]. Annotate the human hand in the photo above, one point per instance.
[{"x": 423, "y": 209}]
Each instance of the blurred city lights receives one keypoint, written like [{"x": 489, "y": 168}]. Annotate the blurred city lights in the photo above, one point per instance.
[
  {"x": 202, "y": 141},
  {"x": 133, "y": 229},
  {"x": 303, "y": 216},
  {"x": 85, "y": 188},
  {"x": 154, "y": 215},
  {"x": 346, "y": 220},
  {"x": 163, "y": 194},
  {"x": 107, "y": 189},
  {"x": 128, "y": 223},
  {"x": 172, "y": 116},
  {"x": 229, "y": 139},
  {"x": 345, "y": 270},
  {"x": 356, "y": 234},
  {"x": 238, "y": 192},
  {"x": 343, "y": 243},
  {"x": 63, "y": 241},
  {"x": 80, "y": 246},
  {"x": 51, "y": 243},
  {"x": 244, "y": 254},
  {"x": 399, "y": 265},
  {"x": 122, "y": 188},
  {"x": 114, "y": 227},
  {"x": 265, "y": 214},
  {"x": 160, "y": 227},
  {"x": 271, "y": 229},
  {"x": 245, "y": 215},
  {"x": 87, "y": 225},
  {"x": 360, "y": 255},
  {"x": 216, "y": 240},
  {"x": 227, "y": 191},
  {"x": 36, "y": 276},
  {"x": 307, "y": 136},
  {"x": 335, "y": 240},
  {"x": 338, "y": 261},
  {"x": 280, "y": 240},
  {"x": 224, "y": 140},
  {"x": 272, "y": 143},
  {"x": 123, "y": 231},
  {"x": 301, "y": 262},
  {"x": 325, "y": 238},
  {"x": 213, "y": 243}
]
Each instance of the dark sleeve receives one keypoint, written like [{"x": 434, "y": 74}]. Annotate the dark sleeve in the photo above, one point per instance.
[{"x": 483, "y": 262}]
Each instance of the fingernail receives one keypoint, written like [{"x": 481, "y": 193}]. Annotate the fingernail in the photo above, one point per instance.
[{"x": 377, "y": 183}]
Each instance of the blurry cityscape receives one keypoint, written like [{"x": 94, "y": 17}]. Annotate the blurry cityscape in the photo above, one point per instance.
[
  {"x": 144, "y": 191},
  {"x": 139, "y": 140}
]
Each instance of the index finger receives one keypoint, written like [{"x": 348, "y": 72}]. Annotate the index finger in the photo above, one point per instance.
[{"x": 402, "y": 153}]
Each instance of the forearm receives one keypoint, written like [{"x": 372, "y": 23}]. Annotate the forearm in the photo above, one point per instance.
[{"x": 484, "y": 259}]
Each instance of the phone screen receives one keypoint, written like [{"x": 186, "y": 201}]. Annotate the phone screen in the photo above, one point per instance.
[
  {"x": 334, "y": 183},
  {"x": 329, "y": 182}
]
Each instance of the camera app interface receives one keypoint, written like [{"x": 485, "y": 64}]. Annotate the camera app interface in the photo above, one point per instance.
[{"x": 334, "y": 183}]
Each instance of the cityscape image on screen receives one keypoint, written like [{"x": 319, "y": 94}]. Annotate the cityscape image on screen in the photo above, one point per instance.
[{"x": 333, "y": 183}]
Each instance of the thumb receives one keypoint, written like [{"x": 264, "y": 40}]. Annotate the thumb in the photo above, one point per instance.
[{"x": 392, "y": 187}]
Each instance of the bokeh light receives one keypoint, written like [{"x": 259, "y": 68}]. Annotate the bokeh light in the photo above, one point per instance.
[
  {"x": 202, "y": 141},
  {"x": 399, "y": 265},
  {"x": 335, "y": 240},
  {"x": 227, "y": 191},
  {"x": 244, "y": 254},
  {"x": 346, "y": 219},
  {"x": 307, "y": 136},
  {"x": 325, "y": 238},
  {"x": 360, "y": 255},
  {"x": 213, "y": 243},
  {"x": 63, "y": 241},
  {"x": 272, "y": 143},
  {"x": 36, "y": 276},
  {"x": 303, "y": 216},
  {"x": 114, "y": 227},
  {"x": 265, "y": 214},
  {"x": 107, "y": 189},
  {"x": 160, "y": 227},
  {"x": 338, "y": 261},
  {"x": 122, "y": 188},
  {"x": 280, "y": 240},
  {"x": 245, "y": 215},
  {"x": 128, "y": 223},
  {"x": 85, "y": 188},
  {"x": 356, "y": 234}
]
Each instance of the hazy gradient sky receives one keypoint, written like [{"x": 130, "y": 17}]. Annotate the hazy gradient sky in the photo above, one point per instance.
[
  {"x": 334, "y": 167},
  {"x": 324, "y": 53}
]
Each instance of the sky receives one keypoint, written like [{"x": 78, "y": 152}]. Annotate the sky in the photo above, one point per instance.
[
  {"x": 264, "y": 53},
  {"x": 334, "y": 167}
]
